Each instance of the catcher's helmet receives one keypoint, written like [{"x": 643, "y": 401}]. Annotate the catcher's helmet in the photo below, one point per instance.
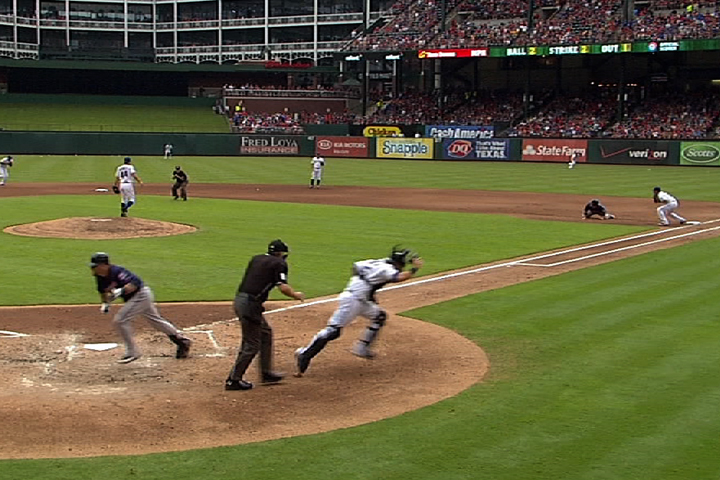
[
  {"x": 278, "y": 246},
  {"x": 99, "y": 258},
  {"x": 401, "y": 256},
  {"x": 128, "y": 160}
]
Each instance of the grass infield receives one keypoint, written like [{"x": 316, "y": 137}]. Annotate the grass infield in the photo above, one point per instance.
[{"x": 611, "y": 372}]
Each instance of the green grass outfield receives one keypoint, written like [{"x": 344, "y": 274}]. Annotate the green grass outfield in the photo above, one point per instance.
[{"x": 610, "y": 372}]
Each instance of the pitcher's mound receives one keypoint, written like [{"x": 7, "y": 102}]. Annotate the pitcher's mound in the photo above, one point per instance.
[{"x": 100, "y": 228}]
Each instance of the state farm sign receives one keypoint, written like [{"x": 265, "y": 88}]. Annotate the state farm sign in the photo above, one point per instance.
[
  {"x": 549, "y": 150},
  {"x": 342, "y": 147}
]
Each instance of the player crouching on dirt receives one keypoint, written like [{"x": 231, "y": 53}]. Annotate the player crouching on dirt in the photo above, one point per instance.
[{"x": 594, "y": 207}]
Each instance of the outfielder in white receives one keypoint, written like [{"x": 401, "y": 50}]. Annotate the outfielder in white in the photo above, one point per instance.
[
  {"x": 670, "y": 204},
  {"x": 167, "y": 150},
  {"x": 125, "y": 178},
  {"x": 358, "y": 299},
  {"x": 5, "y": 164},
  {"x": 318, "y": 165}
]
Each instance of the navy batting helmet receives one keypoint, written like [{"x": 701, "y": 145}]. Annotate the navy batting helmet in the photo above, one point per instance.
[
  {"x": 278, "y": 246},
  {"x": 128, "y": 160},
  {"x": 99, "y": 258}
]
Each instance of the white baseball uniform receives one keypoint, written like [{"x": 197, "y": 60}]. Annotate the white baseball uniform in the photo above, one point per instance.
[
  {"x": 126, "y": 174},
  {"x": 318, "y": 164},
  {"x": 670, "y": 204},
  {"x": 4, "y": 170}
]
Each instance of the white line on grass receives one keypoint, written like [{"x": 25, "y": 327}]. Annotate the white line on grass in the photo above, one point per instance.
[{"x": 524, "y": 262}]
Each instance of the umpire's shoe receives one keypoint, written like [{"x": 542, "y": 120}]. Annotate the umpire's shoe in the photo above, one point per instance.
[
  {"x": 269, "y": 378},
  {"x": 237, "y": 385}
]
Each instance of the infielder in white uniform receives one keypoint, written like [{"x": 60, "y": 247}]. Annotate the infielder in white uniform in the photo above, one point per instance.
[
  {"x": 358, "y": 299},
  {"x": 5, "y": 164},
  {"x": 318, "y": 165},
  {"x": 670, "y": 204},
  {"x": 125, "y": 178}
]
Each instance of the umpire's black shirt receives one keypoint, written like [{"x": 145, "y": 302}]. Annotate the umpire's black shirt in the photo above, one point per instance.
[{"x": 262, "y": 274}]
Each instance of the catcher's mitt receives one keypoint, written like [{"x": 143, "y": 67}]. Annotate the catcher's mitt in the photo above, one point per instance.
[{"x": 115, "y": 189}]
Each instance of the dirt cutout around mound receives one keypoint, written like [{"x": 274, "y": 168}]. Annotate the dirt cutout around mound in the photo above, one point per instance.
[
  {"x": 103, "y": 228},
  {"x": 59, "y": 399}
]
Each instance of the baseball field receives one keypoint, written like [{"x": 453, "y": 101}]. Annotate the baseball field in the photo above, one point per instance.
[{"x": 597, "y": 366}]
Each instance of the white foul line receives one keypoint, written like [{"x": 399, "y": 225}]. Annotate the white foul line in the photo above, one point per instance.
[
  {"x": 524, "y": 262},
  {"x": 9, "y": 334}
]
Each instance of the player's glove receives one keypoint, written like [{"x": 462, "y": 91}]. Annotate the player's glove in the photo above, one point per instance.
[
  {"x": 105, "y": 308},
  {"x": 115, "y": 189}
]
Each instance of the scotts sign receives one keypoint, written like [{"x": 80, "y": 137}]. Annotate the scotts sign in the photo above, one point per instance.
[
  {"x": 702, "y": 154},
  {"x": 494, "y": 149},
  {"x": 356, "y": 147}
]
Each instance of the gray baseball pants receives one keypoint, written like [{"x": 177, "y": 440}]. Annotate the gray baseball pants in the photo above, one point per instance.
[{"x": 142, "y": 303}]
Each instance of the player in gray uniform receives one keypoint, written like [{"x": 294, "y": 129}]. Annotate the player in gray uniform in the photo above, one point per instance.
[
  {"x": 114, "y": 281},
  {"x": 358, "y": 299}
]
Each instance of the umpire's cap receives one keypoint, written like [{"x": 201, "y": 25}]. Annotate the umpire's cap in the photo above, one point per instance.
[
  {"x": 278, "y": 246},
  {"x": 99, "y": 258},
  {"x": 128, "y": 160}
]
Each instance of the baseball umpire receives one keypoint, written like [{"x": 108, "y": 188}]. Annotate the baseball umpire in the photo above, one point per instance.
[
  {"x": 263, "y": 273},
  {"x": 181, "y": 182},
  {"x": 358, "y": 299},
  {"x": 595, "y": 207}
]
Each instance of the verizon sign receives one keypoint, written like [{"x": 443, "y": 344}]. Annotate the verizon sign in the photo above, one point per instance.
[
  {"x": 550, "y": 150},
  {"x": 356, "y": 147}
]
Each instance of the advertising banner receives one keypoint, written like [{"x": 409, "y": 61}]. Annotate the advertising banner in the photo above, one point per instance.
[
  {"x": 381, "y": 131},
  {"x": 476, "y": 149},
  {"x": 634, "y": 152},
  {"x": 702, "y": 154},
  {"x": 405, "y": 147},
  {"x": 269, "y": 145},
  {"x": 356, "y": 147},
  {"x": 553, "y": 150},
  {"x": 455, "y": 53},
  {"x": 453, "y": 131}
]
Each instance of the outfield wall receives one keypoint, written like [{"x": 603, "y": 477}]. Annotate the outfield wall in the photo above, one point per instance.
[{"x": 607, "y": 151}]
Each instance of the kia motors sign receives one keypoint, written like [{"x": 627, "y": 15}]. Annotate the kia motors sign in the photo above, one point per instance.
[
  {"x": 476, "y": 149},
  {"x": 634, "y": 152},
  {"x": 268, "y": 145},
  {"x": 553, "y": 150},
  {"x": 356, "y": 147},
  {"x": 405, "y": 147},
  {"x": 452, "y": 131},
  {"x": 700, "y": 153}
]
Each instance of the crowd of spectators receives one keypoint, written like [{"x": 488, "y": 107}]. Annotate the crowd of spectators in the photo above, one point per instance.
[
  {"x": 673, "y": 116},
  {"x": 262, "y": 122},
  {"x": 497, "y": 22},
  {"x": 578, "y": 117}
]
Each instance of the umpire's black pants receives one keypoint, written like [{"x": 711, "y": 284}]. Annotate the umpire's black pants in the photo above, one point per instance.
[{"x": 257, "y": 336}]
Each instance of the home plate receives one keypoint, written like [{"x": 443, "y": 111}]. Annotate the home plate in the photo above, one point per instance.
[{"x": 100, "y": 347}]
